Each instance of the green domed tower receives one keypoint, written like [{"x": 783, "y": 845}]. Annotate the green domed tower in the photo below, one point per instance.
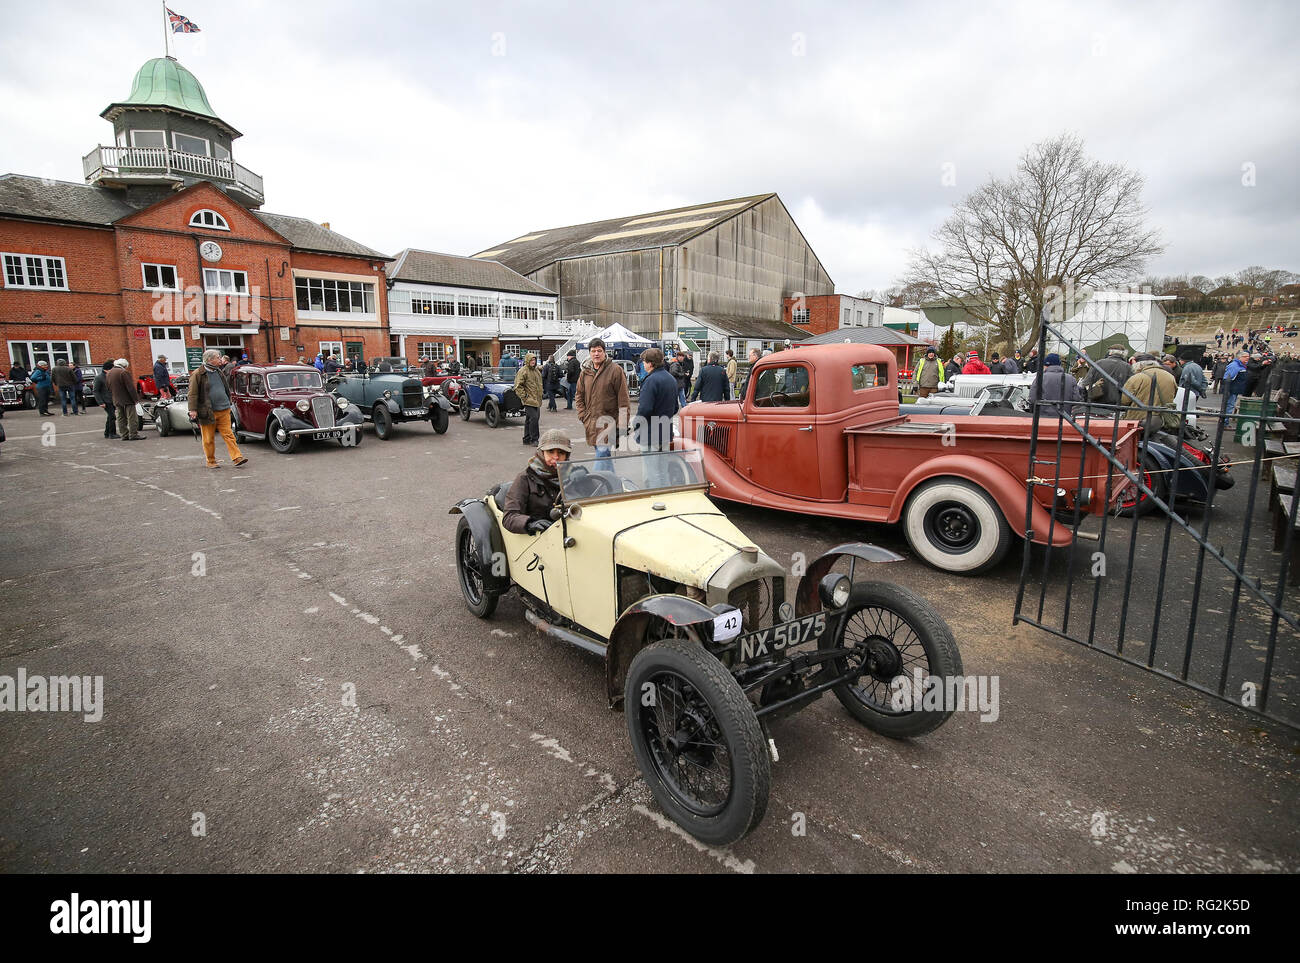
[{"x": 167, "y": 135}]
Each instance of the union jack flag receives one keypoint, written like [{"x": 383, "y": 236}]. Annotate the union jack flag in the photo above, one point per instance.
[{"x": 180, "y": 24}]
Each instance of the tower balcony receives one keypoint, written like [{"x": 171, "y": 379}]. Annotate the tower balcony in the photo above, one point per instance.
[{"x": 123, "y": 166}]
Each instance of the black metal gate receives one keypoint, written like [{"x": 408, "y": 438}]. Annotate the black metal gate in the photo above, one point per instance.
[{"x": 1180, "y": 575}]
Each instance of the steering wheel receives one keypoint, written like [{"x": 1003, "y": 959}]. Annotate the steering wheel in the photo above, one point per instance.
[{"x": 590, "y": 483}]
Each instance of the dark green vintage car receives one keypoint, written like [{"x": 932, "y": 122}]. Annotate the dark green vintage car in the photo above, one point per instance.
[{"x": 387, "y": 399}]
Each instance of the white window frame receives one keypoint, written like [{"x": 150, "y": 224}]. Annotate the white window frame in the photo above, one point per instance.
[
  {"x": 144, "y": 279},
  {"x": 220, "y": 152},
  {"x": 160, "y": 133},
  {"x": 477, "y": 306},
  {"x": 335, "y": 348},
  {"x": 431, "y": 351},
  {"x": 335, "y": 281},
  {"x": 25, "y": 271},
  {"x": 219, "y": 222},
  {"x": 801, "y": 316},
  {"x": 214, "y": 278},
  {"x": 51, "y": 352},
  {"x": 421, "y": 306},
  {"x": 207, "y": 144},
  {"x": 511, "y": 349}
]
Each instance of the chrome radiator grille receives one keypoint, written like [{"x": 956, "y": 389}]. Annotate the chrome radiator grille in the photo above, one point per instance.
[
  {"x": 322, "y": 407},
  {"x": 8, "y": 394}
]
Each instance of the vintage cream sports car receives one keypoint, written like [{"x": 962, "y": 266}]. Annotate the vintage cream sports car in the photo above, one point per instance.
[{"x": 701, "y": 647}]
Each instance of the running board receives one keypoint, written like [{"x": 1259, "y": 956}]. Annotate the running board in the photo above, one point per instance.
[{"x": 565, "y": 635}]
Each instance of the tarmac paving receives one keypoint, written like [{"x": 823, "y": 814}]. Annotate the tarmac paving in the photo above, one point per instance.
[{"x": 293, "y": 684}]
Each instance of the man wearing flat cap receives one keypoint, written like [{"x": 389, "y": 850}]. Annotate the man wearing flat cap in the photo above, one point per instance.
[{"x": 537, "y": 488}]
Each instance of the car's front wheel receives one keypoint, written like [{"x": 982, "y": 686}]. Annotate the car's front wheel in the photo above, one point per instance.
[
  {"x": 955, "y": 526},
  {"x": 479, "y": 599},
  {"x": 901, "y": 647},
  {"x": 439, "y": 419},
  {"x": 279, "y": 438},
  {"x": 464, "y": 408},
  {"x": 383, "y": 420},
  {"x": 163, "y": 419},
  {"x": 697, "y": 741}
]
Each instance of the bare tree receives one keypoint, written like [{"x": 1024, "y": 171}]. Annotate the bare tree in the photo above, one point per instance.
[{"x": 1009, "y": 247}]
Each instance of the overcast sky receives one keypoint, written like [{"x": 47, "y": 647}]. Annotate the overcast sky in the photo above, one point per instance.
[{"x": 453, "y": 127}]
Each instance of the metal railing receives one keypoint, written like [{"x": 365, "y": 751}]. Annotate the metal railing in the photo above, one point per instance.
[{"x": 149, "y": 160}]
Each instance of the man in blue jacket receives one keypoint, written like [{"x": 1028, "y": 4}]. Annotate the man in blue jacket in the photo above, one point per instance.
[
  {"x": 653, "y": 425},
  {"x": 43, "y": 385},
  {"x": 1235, "y": 377}
]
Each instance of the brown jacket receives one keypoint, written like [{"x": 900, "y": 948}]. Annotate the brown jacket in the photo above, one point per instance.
[
  {"x": 122, "y": 385},
  {"x": 533, "y": 495},
  {"x": 200, "y": 395},
  {"x": 602, "y": 395}
]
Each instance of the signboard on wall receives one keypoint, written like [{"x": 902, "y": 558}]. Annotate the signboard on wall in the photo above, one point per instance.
[
  {"x": 140, "y": 332},
  {"x": 193, "y": 358},
  {"x": 284, "y": 334},
  {"x": 694, "y": 334}
]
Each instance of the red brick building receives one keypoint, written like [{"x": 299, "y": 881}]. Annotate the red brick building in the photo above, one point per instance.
[
  {"x": 820, "y": 313},
  {"x": 164, "y": 250}
]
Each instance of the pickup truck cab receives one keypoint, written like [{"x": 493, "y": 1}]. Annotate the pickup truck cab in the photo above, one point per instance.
[{"x": 819, "y": 431}]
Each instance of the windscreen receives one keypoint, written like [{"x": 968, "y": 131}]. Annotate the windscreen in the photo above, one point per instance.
[
  {"x": 643, "y": 471},
  {"x": 290, "y": 380}
]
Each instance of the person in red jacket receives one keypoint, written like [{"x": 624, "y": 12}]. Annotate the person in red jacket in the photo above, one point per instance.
[{"x": 974, "y": 365}]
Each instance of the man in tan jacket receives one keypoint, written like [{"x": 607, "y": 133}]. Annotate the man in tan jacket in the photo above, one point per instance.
[
  {"x": 528, "y": 386},
  {"x": 602, "y": 402}
]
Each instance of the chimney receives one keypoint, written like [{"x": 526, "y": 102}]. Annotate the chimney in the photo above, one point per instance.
[{"x": 326, "y": 225}]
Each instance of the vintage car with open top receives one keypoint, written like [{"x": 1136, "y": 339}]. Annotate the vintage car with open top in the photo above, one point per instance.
[
  {"x": 819, "y": 432},
  {"x": 287, "y": 404},
  {"x": 702, "y": 649}
]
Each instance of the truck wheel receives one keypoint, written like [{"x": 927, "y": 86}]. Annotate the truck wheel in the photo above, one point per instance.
[
  {"x": 889, "y": 633},
  {"x": 439, "y": 419},
  {"x": 697, "y": 741},
  {"x": 492, "y": 413},
  {"x": 956, "y": 526},
  {"x": 464, "y": 408},
  {"x": 479, "y": 599},
  {"x": 383, "y": 420},
  {"x": 1138, "y": 502},
  {"x": 279, "y": 438}
]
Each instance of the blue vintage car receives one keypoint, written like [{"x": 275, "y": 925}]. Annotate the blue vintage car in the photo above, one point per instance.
[
  {"x": 491, "y": 391},
  {"x": 387, "y": 399}
]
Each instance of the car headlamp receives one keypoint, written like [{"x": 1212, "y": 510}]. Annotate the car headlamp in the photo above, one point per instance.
[
  {"x": 303, "y": 405},
  {"x": 834, "y": 590},
  {"x": 343, "y": 402}
]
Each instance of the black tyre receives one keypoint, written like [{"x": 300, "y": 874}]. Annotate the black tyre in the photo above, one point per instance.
[
  {"x": 383, "y": 420},
  {"x": 163, "y": 419},
  {"x": 492, "y": 413},
  {"x": 698, "y": 742},
  {"x": 889, "y": 633},
  {"x": 29, "y": 400},
  {"x": 464, "y": 408},
  {"x": 439, "y": 419},
  {"x": 1138, "y": 502},
  {"x": 479, "y": 599},
  {"x": 956, "y": 526},
  {"x": 234, "y": 423},
  {"x": 279, "y": 438}
]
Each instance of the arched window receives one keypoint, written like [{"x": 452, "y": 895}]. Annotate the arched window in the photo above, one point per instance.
[{"x": 209, "y": 218}]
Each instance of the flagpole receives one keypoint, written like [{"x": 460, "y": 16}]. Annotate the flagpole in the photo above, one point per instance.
[{"x": 167, "y": 40}]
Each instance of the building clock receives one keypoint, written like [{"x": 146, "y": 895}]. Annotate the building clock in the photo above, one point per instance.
[{"x": 210, "y": 250}]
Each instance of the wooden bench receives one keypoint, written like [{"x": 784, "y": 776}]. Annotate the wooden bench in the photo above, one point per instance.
[{"x": 1281, "y": 516}]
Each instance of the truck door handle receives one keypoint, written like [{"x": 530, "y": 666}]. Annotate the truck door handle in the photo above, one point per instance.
[{"x": 808, "y": 428}]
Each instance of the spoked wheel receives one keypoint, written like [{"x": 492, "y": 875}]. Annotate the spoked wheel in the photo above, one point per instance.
[
  {"x": 479, "y": 599},
  {"x": 439, "y": 420},
  {"x": 1139, "y": 503},
  {"x": 697, "y": 741},
  {"x": 279, "y": 437},
  {"x": 888, "y": 634},
  {"x": 464, "y": 408},
  {"x": 383, "y": 420}
]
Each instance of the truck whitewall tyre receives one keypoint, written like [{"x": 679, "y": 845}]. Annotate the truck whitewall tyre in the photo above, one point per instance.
[{"x": 956, "y": 526}]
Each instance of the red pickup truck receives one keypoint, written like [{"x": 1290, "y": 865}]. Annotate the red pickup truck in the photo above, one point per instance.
[{"x": 818, "y": 431}]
